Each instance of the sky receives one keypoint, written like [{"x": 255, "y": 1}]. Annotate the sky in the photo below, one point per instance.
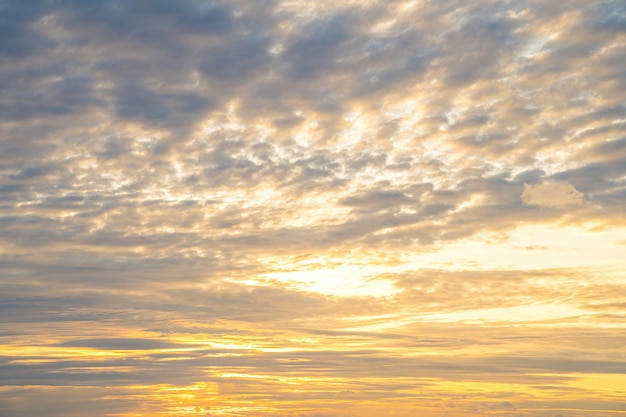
[{"x": 286, "y": 208}]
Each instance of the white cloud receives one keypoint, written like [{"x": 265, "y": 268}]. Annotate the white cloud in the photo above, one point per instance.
[{"x": 552, "y": 194}]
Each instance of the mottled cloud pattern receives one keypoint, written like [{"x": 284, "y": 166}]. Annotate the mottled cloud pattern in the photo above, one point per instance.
[{"x": 288, "y": 208}]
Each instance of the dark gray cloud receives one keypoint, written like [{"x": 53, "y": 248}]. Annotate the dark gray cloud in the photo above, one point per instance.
[
  {"x": 316, "y": 50},
  {"x": 121, "y": 344},
  {"x": 236, "y": 60},
  {"x": 142, "y": 19},
  {"x": 18, "y": 37}
]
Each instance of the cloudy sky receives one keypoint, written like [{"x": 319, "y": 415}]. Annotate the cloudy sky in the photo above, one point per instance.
[{"x": 286, "y": 208}]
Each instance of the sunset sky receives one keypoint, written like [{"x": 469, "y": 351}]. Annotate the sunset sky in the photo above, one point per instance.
[{"x": 288, "y": 208}]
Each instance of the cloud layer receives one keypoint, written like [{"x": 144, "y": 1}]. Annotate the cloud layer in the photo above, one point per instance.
[{"x": 285, "y": 208}]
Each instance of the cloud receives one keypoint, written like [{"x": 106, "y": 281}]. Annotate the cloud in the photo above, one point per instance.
[
  {"x": 552, "y": 195},
  {"x": 180, "y": 178}
]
